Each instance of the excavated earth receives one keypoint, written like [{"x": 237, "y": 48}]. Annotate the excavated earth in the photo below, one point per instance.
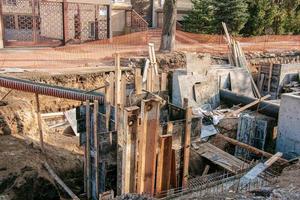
[{"x": 22, "y": 175}]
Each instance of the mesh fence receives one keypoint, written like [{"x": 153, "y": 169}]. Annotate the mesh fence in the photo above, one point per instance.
[{"x": 101, "y": 52}]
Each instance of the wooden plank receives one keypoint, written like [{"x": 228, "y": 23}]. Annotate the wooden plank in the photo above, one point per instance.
[
  {"x": 187, "y": 146},
  {"x": 118, "y": 76},
  {"x": 164, "y": 82},
  {"x": 123, "y": 92},
  {"x": 238, "y": 111},
  {"x": 226, "y": 33},
  {"x": 96, "y": 145},
  {"x": 87, "y": 150},
  {"x": 258, "y": 169},
  {"x": 164, "y": 162},
  {"x": 131, "y": 130},
  {"x": 173, "y": 181},
  {"x": 60, "y": 182},
  {"x": 249, "y": 148},
  {"x": 138, "y": 79},
  {"x": 149, "y": 79},
  {"x": 156, "y": 83},
  {"x": 270, "y": 77},
  {"x": 40, "y": 128},
  {"x": 256, "y": 91},
  {"x": 148, "y": 145},
  {"x": 221, "y": 158},
  {"x": 206, "y": 169}
]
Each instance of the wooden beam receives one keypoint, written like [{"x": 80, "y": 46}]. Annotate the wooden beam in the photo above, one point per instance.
[
  {"x": 174, "y": 181},
  {"x": 164, "y": 82},
  {"x": 226, "y": 33},
  {"x": 40, "y": 128},
  {"x": 187, "y": 146},
  {"x": 96, "y": 145},
  {"x": 88, "y": 149},
  {"x": 118, "y": 79},
  {"x": 249, "y": 148},
  {"x": 131, "y": 123},
  {"x": 122, "y": 93},
  {"x": 148, "y": 145},
  {"x": 138, "y": 79},
  {"x": 60, "y": 182},
  {"x": 238, "y": 111},
  {"x": 206, "y": 169},
  {"x": 164, "y": 162},
  {"x": 270, "y": 77}
]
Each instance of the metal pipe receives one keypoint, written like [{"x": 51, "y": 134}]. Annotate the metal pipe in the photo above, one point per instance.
[
  {"x": 265, "y": 107},
  {"x": 49, "y": 90}
]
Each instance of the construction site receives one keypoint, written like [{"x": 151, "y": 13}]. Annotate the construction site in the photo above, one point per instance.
[{"x": 90, "y": 112}]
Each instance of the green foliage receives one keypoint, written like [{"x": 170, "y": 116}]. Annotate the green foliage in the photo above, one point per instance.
[
  {"x": 246, "y": 17},
  {"x": 200, "y": 18},
  {"x": 232, "y": 12},
  {"x": 261, "y": 15}
]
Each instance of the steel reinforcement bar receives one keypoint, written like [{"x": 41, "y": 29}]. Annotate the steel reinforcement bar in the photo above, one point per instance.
[{"x": 50, "y": 90}]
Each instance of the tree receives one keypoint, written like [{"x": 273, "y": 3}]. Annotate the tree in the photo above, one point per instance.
[
  {"x": 261, "y": 16},
  {"x": 200, "y": 18},
  {"x": 291, "y": 21},
  {"x": 167, "y": 43},
  {"x": 233, "y": 12}
]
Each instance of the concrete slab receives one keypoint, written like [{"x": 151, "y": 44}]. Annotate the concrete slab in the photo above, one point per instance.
[{"x": 241, "y": 82}]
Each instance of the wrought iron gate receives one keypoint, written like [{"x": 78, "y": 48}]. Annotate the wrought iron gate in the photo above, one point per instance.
[
  {"x": 32, "y": 21},
  {"x": 87, "y": 22},
  {"x": 41, "y": 22}
]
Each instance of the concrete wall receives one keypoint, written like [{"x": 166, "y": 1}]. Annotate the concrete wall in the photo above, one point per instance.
[
  {"x": 118, "y": 22},
  {"x": 198, "y": 88},
  {"x": 288, "y": 139}
]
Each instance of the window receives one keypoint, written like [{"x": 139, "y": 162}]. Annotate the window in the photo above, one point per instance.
[
  {"x": 25, "y": 22},
  {"x": 9, "y": 22},
  {"x": 77, "y": 26},
  {"x": 92, "y": 31},
  {"x": 10, "y": 2}
]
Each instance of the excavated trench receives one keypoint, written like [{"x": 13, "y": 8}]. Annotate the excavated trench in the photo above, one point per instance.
[{"x": 22, "y": 175}]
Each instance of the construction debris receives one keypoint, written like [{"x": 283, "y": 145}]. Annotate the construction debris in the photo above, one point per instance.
[{"x": 148, "y": 131}]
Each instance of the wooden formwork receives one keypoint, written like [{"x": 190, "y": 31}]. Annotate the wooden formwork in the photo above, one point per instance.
[{"x": 151, "y": 137}]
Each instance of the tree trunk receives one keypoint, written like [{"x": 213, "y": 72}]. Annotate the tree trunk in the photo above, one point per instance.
[{"x": 169, "y": 26}]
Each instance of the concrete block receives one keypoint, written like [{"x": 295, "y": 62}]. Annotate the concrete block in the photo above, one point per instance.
[{"x": 288, "y": 139}]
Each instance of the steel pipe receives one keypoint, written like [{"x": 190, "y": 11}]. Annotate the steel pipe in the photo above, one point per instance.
[
  {"x": 50, "y": 90},
  {"x": 265, "y": 107}
]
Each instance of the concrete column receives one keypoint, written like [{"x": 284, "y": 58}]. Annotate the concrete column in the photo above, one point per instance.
[{"x": 155, "y": 5}]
